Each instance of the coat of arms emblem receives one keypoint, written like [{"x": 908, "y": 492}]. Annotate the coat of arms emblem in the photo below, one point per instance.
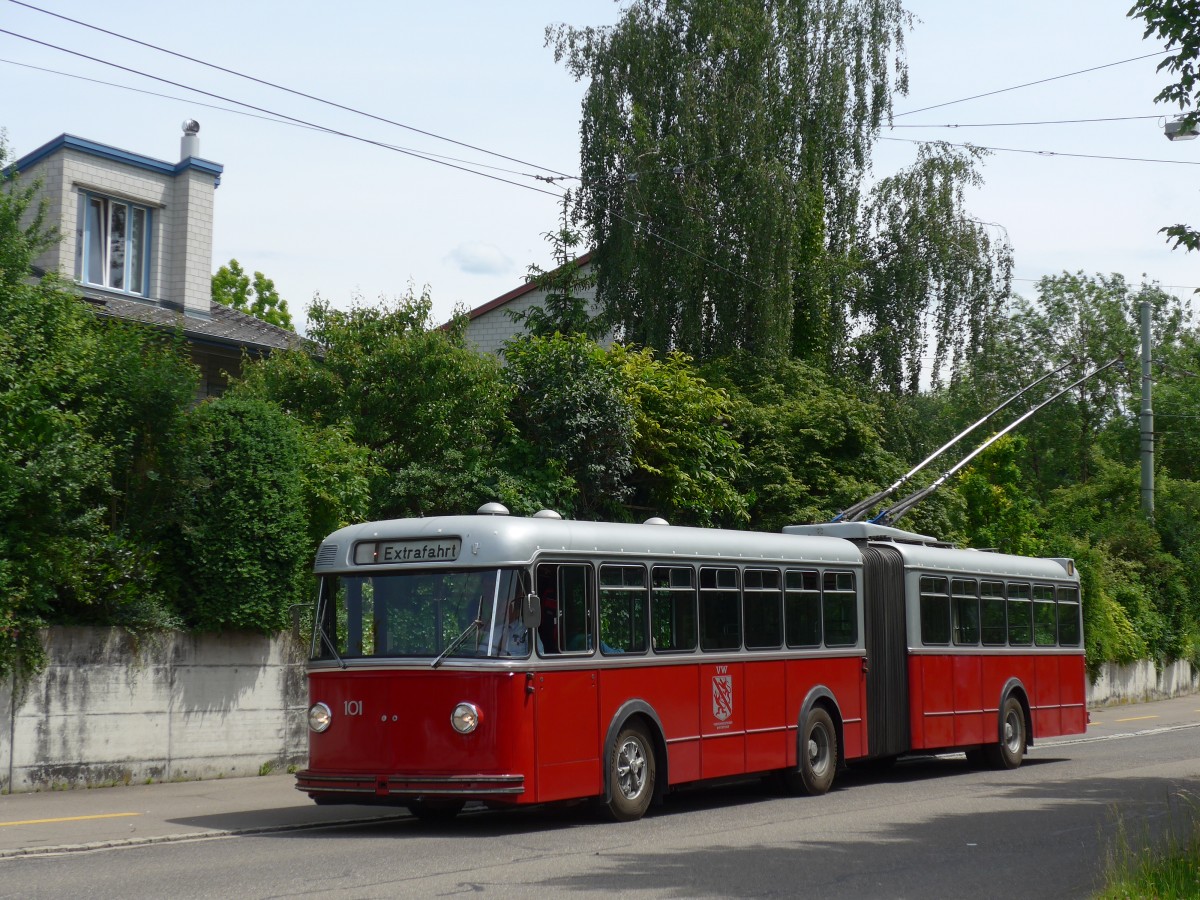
[{"x": 722, "y": 697}]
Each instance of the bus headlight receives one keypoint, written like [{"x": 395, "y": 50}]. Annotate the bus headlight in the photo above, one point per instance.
[
  {"x": 465, "y": 718},
  {"x": 319, "y": 717}
]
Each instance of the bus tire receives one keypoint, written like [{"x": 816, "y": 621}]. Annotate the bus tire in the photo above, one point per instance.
[
  {"x": 818, "y": 754},
  {"x": 1009, "y": 751},
  {"x": 435, "y": 811},
  {"x": 631, "y": 773}
]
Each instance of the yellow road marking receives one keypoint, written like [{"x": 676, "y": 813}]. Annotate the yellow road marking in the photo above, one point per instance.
[
  {"x": 69, "y": 819},
  {"x": 1137, "y": 718}
]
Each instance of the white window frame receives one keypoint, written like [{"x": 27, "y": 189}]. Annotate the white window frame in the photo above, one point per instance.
[{"x": 101, "y": 258}]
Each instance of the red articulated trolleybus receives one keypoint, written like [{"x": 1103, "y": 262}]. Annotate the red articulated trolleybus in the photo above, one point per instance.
[{"x": 527, "y": 660}]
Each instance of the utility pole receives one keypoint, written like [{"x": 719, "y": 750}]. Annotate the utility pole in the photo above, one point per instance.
[{"x": 1147, "y": 419}]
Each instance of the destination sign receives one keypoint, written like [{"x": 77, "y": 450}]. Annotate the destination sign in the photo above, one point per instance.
[{"x": 382, "y": 553}]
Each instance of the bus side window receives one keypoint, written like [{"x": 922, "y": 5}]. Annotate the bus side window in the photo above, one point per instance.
[
  {"x": 623, "y": 606},
  {"x": 673, "y": 611},
  {"x": 1068, "y": 616},
  {"x": 992, "y": 613},
  {"x": 1045, "y": 625},
  {"x": 839, "y": 609},
  {"x": 720, "y": 610},
  {"x": 1020, "y": 615},
  {"x": 803, "y": 608},
  {"x": 763, "y": 609},
  {"x": 935, "y": 610},
  {"x": 966, "y": 611},
  {"x": 577, "y": 609}
]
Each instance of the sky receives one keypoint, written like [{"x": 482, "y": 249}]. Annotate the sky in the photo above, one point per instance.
[{"x": 353, "y": 222}]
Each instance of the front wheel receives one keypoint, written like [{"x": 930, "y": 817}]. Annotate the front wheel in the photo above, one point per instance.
[
  {"x": 630, "y": 775},
  {"x": 818, "y": 755},
  {"x": 1009, "y": 751}
]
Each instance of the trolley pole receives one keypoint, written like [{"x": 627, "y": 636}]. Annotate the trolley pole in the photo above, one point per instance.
[{"x": 1147, "y": 419}]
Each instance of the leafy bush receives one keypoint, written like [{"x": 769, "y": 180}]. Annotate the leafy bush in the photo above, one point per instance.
[{"x": 243, "y": 547}]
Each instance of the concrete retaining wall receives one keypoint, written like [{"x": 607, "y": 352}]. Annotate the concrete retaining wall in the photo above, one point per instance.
[
  {"x": 109, "y": 709},
  {"x": 1142, "y": 681}
]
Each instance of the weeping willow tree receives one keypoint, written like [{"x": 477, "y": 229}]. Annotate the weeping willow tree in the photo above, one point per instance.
[
  {"x": 932, "y": 282},
  {"x": 724, "y": 144}
]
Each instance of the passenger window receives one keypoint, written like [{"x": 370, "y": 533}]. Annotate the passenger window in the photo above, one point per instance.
[
  {"x": 802, "y": 608},
  {"x": 673, "y": 609},
  {"x": 935, "y": 610},
  {"x": 1068, "y": 617},
  {"x": 623, "y": 605},
  {"x": 1045, "y": 625},
  {"x": 839, "y": 609},
  {"x": 1020, "y": 615},
  {"x": 966, "y": 611},
  {"x": 720, "y": 610},
  {"x": 992, "y": 613},
  {"x": 578, "y": 608},
  {"x": 763, "y": 602}
]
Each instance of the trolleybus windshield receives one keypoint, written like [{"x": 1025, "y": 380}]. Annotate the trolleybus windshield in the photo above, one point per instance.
[{"x": 421, "y": 614}]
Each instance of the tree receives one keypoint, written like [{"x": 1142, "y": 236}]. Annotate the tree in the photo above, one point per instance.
[
  {"x": 686, "y": 461},
  {"x": 930, "y": 274},
  {"x": 231, "y": 286},
  {"x": 242, "y": 548},
  {"x": 1177, "y": 23},
  {"x": 811, "y": 447},
  {"x": 88, "y": 412},
  {"x": 723, "y": 147},
  {"x": 571, "y": 405},
  {"x": 565, "y": 307},
  {"x": 432, "y": 415}
]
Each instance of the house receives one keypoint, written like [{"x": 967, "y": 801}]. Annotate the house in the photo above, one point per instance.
[
  {"x": 137, "y": 241},
  {"x": 489, "y": 325}
]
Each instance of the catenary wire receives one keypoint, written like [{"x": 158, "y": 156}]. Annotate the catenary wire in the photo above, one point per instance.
[
  {"x": 1174, "y": 162},
  {"x": 1037, "y": 122},
  {"x": 332, "y": 131},
  {"x": 280, "y": 87},
  {"x": 290, "y": 120},
  {"x": 264, "y": 118},
  {"x": 1016, "y": 87}
]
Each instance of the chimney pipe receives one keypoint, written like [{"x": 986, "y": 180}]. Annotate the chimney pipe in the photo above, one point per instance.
[{"x": 189, "y": 145}]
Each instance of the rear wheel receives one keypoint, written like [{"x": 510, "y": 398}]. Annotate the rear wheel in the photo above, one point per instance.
[
  {"x": 435, "y": 810},
  {"x": 818, "y": 755},
  {"x": 630, "y": 775},
  {"x": 1010, "y": 750}
]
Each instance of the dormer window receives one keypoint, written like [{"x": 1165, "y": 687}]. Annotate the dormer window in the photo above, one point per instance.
[{"x": 113, "y": 244}]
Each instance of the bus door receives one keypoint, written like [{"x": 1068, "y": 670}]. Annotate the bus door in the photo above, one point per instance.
[
  {"x": 567, "y": 714},
  {"x": 888, "y": 727}
]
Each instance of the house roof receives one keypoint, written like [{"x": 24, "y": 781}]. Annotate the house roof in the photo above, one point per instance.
[
  {"x": 104, "y": 151},
  {"x": 227, "y": 328},
  {"x": 521, "y": 291}
]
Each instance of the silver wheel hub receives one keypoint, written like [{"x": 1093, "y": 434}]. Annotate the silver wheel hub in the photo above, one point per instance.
[
  {"x": 818, "y": 751},
  {"x": 631, "y": 769}
]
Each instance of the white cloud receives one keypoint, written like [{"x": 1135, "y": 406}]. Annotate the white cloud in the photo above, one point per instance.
[{"x": 478, "y": 258}]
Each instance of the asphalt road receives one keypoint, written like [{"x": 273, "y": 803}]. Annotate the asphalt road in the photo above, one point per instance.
[{"x": 929, "y": 828}]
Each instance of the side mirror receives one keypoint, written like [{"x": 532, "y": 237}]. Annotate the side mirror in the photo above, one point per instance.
[{"x": 531, "y": 611}]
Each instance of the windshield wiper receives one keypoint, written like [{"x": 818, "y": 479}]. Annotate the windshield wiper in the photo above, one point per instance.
[{"x": 457, "y": 642}]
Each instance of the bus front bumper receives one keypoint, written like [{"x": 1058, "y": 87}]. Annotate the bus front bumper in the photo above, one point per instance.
[{"x": 362, "y": 787}]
